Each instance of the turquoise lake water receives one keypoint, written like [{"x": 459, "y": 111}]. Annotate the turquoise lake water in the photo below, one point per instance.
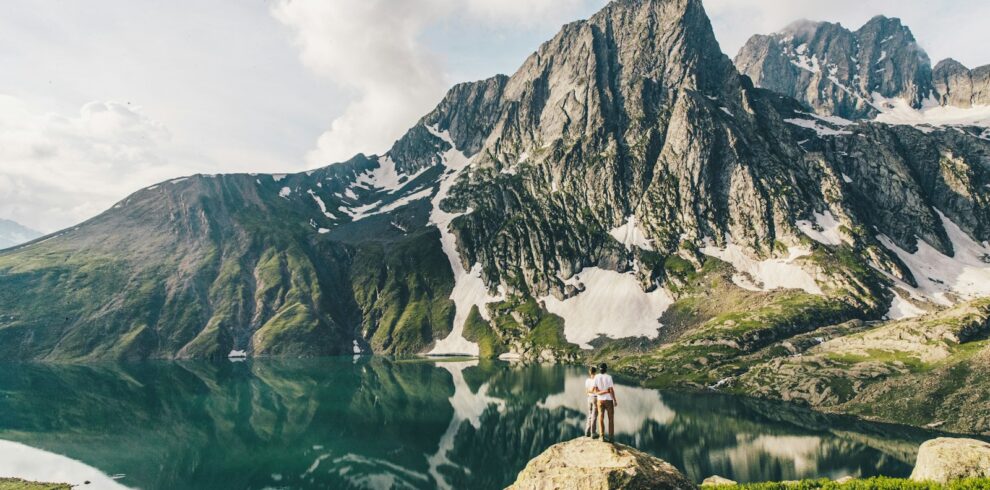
[{"x": 378, "y": 423}]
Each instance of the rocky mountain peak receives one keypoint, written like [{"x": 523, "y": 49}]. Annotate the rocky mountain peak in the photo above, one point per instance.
[
  {"x": 837, "y": 71},
  {"x": 602, "y": 76},
  {"x": 957, "y": 85}
]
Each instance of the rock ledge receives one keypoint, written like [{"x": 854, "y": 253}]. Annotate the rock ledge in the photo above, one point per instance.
[{"x": 588, "y": 464}]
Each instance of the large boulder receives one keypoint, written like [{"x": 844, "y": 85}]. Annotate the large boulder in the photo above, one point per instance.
[
  {"x": 945, "y": 459},
  {"x": 588, "y": 464}
]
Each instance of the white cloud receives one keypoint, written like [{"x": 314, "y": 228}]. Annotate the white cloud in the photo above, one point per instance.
[
  {"x": 525, "y": 12},
  {"x": 61, "y": 169},
  {"x": 371, "y": 47},
  {"x": 375, "y": 49}
]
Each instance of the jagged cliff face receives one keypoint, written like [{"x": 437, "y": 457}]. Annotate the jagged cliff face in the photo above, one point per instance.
[
  {"x": 959, "y": 86},
  {"x": 625, "y": 182},
  {"x": 837, "y": 71},
  {"x": 615, "y": 139}
]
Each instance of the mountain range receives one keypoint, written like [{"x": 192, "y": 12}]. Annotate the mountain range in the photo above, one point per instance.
[
  {"x": 807, "y": 223},
  {"x": 13, "y": 233}
]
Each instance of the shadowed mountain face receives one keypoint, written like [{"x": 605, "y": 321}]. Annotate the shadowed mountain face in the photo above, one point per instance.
[{"x": 625, "y": 189}]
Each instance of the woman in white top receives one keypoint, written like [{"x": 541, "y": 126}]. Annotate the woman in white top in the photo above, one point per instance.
[{"x": 589, "y": 388}]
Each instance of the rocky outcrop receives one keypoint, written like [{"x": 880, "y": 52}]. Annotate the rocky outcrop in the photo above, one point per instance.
[
  {"x": 588, "y": 464},
  {"x": 945, "y": 459},
  {"x": 717, "y": 481},
  {"x": 916, "y": 371},
  {"x": 959, "y": 86},
  {"x": 836, "y": 71}
]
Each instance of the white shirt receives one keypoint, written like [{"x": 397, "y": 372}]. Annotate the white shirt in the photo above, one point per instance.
[
  {"x": 602, "y": 383},
  {"x": 588, "y": 385}
]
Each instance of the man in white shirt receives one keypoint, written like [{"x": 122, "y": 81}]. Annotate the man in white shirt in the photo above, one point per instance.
[{"x": 605, "y": 390}]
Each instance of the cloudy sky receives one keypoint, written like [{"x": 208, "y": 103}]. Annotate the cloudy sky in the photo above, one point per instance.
[{"x": 101, "y": 98}]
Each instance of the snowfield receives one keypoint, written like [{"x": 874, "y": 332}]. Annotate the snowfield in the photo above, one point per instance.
[
  {"x": 768, "y": 274},
  {"x": 824, "y": 229},
  {"x": 612, "y": 304},
  {"x": 630, "y": 235},
  {"x": 966, "y": 274},
  {"x": 897, "y": 111},
  {"x": 469, "y": 288}
]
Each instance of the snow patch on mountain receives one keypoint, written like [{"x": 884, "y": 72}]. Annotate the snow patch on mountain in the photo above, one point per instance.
[
  {"x": 469, "y": 288},
  {"x": 631, "y": 235},
  {"x": 966, "y": 274},
  {"x": 898, "y": 111},
  {"x": 321, "y": 204},
  {"x": 612, "y": 304},
  {"x": 386, "y": 176},
  {"x": 901, "y": 308},
  {"x": 801, "y": 60},
  {"x": 821, "y": 129},
  {"x": 825, "y": 229},
  {"x": 765, "y": 275},
  {"x": 398, "y": 203}
]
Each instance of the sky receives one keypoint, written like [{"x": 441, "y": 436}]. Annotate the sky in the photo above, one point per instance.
[{"x": 99, "y": 99}]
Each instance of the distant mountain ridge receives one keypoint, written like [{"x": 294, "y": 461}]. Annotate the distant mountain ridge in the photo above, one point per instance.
[
  {"x": 626, "y": 195},
  {"x": 851, "y": 74},
  {"x": 13, "y": 233}
]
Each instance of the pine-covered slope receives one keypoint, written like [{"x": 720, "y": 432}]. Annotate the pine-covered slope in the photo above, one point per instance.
[{"x": 625, "y": 190}]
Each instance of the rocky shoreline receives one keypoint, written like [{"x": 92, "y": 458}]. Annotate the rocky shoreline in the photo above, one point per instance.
[{"x": 590, "y": 464}]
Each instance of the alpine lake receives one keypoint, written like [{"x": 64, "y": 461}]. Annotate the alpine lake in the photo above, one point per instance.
[{"x": 373, "y": 422}]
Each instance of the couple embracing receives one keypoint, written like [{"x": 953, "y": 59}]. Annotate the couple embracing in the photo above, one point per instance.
[{"x": 601, "y": 402}]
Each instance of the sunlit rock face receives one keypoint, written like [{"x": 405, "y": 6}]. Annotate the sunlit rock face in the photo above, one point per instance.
[
  {"x": 944, "y": 460},
  {"x": 587, "y": 464}
]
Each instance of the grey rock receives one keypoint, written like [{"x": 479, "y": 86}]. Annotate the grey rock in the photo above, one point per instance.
[
  {"x": 587, "y": 464},
  {"x": 836, "y": 71},
  {"x": 946, "y": 459},
  {"x": 959, "y": 86}
]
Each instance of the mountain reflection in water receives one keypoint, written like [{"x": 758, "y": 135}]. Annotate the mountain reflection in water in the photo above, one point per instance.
[{"x": 379, "y": 423}]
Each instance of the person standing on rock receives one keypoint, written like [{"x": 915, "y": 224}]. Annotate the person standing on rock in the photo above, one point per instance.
[
  {"x": 605, "y": 391},
  {"x": 589, "y": 389}
]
